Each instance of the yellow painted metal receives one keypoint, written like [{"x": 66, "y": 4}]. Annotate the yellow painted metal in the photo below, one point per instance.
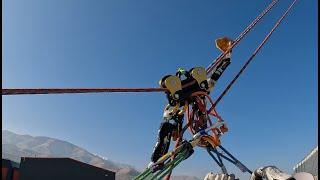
[
  {"x": 172, "y": 83},
  {"x": 199, "y": 74}
]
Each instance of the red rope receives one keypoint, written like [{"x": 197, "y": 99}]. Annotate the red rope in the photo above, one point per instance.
[
  {"x": 241, "y": 36},
  {"x": 254, "y": 53},
  {"x": 74, "y": 90}
]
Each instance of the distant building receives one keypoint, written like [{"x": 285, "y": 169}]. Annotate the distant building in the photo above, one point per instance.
[
  {"x": 52, "y": 169},
  {"x": 309, "y": 163}
]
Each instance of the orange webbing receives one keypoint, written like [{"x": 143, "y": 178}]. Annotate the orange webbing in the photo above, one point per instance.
[
  {"x": 214, "y": 113},
  {"x": 212, "y": 140}
]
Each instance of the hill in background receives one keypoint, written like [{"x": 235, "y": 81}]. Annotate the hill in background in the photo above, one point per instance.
[{"x": 15, "y": 146}]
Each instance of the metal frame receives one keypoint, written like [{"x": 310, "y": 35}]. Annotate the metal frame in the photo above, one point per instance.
[{"x": 229, "y": 157}]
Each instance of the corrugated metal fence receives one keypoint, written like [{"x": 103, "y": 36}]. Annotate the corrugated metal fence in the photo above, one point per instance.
[{"x": 309, "y": 163}]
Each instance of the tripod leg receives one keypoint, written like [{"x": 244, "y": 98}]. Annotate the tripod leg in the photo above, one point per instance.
[
  {"x": 218, "y": 161},
  {"x": 236, "y": 162}
]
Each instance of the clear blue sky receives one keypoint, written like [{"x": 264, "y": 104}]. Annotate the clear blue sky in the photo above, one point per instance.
[{"x": 271, "y": 110}]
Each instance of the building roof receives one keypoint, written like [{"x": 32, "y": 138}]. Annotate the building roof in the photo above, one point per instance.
[
  {"x": 309, "y": 163},
  {"x": 9, "y": 163},
  {"x": 36, "y": 168}
]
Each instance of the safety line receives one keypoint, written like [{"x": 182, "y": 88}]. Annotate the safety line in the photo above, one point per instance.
[
  {"x": 75, "y": 90},
  {"x": 241, "y": 36},
  {"x": 109, "y": 90},
  {"x": 254, "y": 54}
]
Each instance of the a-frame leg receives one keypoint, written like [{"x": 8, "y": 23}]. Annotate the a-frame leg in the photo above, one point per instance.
[{"x": 229, "y": 157}]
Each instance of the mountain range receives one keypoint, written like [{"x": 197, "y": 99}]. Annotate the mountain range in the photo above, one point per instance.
[{"x": 15, "y": 146}]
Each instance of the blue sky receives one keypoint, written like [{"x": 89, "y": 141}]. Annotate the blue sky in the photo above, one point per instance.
[{"x": 271, "y": 110}]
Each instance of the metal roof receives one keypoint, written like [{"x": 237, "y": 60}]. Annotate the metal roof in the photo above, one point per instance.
[{"x": 309, "y": 163}]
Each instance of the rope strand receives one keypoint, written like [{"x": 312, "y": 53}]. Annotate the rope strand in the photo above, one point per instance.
[
  {"x": 254, "y": 54},
  {"x": 241, "y": 36},
  {"x": 74, "y": 90}
]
